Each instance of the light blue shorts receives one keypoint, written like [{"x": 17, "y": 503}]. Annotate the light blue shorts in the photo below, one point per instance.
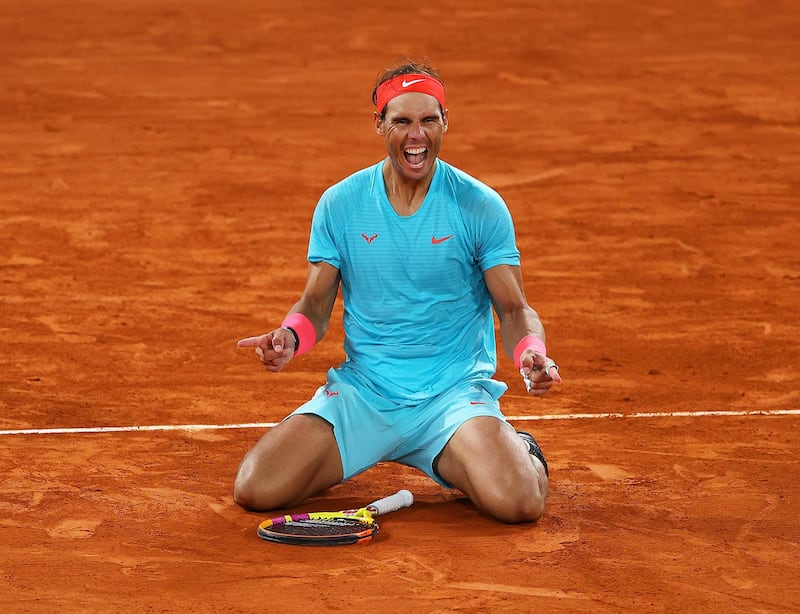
[{"x": 369, "y": 428}]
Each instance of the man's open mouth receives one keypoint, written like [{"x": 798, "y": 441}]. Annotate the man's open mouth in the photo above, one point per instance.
[{"x": 416, "y": 156}]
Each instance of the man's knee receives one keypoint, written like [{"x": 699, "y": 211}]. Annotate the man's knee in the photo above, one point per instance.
[
  {"x": 260, "y": 485},
  {"x": 520, "y": 496},
  {"x": 245, "y": 496},
  {"x": 519, "y": 505},
  {"x": 251, "y": 493},
  {"x": 284, "y": 468},
  {"x": 529, "y": 509}
]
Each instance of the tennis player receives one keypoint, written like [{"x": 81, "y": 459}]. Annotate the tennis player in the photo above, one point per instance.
[{"x": 423, "y": 253}]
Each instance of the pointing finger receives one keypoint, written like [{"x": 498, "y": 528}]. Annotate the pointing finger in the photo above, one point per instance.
[{"x": 251, "y": 342}]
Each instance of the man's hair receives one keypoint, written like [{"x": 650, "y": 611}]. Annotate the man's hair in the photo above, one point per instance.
[{"x": 406, "y": 67}]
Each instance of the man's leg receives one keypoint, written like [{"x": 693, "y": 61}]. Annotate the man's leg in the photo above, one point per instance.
[
  {"x": 490, "y": 463},
  {"x": 291, "y": 462}
]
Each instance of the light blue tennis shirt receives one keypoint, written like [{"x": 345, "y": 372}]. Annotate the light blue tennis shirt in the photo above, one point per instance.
[{"x": 417, "y": 314}]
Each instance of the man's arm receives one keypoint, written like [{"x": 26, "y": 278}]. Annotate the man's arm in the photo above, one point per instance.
[
  {"x": 518, "y": 320},
  {"x": 277, "y": 347}
]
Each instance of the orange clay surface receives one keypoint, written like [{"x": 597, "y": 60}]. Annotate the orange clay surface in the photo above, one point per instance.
[{"x": 159, "y": 164}]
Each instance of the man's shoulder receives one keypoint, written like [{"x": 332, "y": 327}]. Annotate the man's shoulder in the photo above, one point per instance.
[
  {"x": 357, "y": 180},
  {"x": 468, "y": 188},
  {"x": 340, "y": 201}
]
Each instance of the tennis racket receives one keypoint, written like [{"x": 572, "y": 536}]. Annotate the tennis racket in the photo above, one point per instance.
[{"x": 332, "y": 528}]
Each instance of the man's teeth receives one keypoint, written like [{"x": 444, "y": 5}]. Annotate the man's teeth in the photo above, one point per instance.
[{"x": 416, "y": 150}]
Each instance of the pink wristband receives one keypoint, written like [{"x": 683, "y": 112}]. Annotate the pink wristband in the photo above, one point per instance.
[
  {"x": 304, "y": 332},
  {"x": 531, "y": 342}
]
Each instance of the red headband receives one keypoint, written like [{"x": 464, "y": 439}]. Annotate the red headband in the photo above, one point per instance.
[{"x": 402, "y": 84}]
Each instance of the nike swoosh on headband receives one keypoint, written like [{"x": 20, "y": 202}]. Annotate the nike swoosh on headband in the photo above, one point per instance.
[{"x": 412, "y": 82}]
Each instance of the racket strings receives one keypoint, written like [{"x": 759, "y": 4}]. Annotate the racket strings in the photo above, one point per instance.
[
  {"x": 355, "y": 526},
  {"x": 322, "y": 527}
]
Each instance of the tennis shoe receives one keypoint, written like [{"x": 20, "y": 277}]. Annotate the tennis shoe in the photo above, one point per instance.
[{"x": 534, "y": 449}]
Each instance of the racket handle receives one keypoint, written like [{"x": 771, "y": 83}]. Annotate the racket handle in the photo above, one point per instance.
[{"x": 392, "y": 503}]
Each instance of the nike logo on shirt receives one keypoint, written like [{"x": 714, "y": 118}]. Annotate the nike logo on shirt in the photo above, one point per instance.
[{"x": 436, "y": 241}]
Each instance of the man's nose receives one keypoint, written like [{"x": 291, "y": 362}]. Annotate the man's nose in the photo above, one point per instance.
[{"x": 416, "y": 130}]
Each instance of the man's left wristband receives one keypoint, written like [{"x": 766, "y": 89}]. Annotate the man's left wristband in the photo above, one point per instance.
[{"x": 529, "y": 342}]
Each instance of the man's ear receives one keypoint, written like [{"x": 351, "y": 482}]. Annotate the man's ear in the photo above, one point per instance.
[
  {"x": 378, "y": 123},
  {"x": 445, "y": 122}
]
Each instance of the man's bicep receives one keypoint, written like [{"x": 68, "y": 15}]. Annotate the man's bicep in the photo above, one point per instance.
[
  {"x": 322, "y": 286},
  {"x": 504, "y": 282}
]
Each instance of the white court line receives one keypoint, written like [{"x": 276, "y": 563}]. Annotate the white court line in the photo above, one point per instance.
[
  {"x": 128, "y": 429},
  {"x": 264, "y": 425},
  {"x": 667, "y": 414}
]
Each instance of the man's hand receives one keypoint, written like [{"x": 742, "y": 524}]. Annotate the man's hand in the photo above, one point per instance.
[
  {"x": 274, "y": 349},
  {"x": 538, "y": 372}
]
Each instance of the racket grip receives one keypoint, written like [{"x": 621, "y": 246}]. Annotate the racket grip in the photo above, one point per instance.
[{"x": 392, "y": 503}]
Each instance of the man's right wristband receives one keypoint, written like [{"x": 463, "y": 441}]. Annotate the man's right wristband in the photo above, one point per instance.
[
  {"x": 296, "y": 338},
  {"x": 305, "y": 335}
]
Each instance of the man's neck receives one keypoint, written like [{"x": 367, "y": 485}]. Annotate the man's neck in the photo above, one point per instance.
[{"x": 406, "y": 195}]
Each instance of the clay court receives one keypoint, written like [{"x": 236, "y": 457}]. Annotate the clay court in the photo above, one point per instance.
[{"x": 159, "y": 165}]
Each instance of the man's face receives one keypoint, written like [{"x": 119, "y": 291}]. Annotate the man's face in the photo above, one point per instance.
[{"x": 413, "y": 129}]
